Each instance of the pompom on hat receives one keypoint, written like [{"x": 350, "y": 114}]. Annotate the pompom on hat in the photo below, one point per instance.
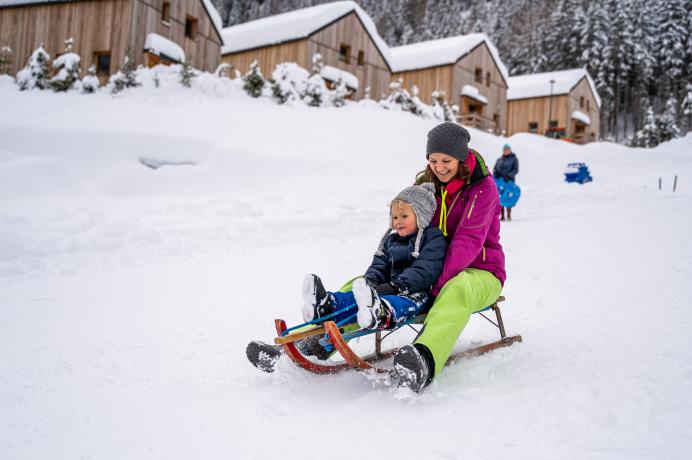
[{"x": 422, "y": 200}]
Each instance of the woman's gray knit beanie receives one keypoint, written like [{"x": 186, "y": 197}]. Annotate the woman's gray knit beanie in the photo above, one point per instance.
[{"x": 422, "y": 200}]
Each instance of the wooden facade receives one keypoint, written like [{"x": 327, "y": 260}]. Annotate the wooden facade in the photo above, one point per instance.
[
  {"x": 533, "y": 114},
  {"x": 105, "y": 31},
  {"x": 363, "y": 59},
  {"x": 476, "y": 68}
]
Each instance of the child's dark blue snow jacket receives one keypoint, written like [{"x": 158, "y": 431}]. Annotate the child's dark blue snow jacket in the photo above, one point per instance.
[{"x": 398, "y": 266}]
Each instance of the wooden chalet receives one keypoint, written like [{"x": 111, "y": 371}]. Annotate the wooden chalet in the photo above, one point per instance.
[
  {"x": 469, "y": 71},
  {"x": 105, "y": 31},
  {"x": 563, "y": 105},
  {"x": 341, "y": 32}
]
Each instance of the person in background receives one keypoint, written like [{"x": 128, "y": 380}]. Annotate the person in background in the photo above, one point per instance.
[{"x": 506, "y": 167}]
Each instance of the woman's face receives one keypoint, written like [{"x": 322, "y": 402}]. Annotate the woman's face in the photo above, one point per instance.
[{"x": 443, "y": 166}]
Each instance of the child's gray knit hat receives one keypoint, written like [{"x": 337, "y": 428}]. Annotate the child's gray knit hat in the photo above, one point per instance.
[{"x": 422, "y": 200}]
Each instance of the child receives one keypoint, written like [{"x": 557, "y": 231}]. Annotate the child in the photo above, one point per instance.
[{"x": 396, "y": 286}]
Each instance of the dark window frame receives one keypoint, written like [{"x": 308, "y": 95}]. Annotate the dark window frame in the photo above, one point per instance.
[
  {"x": 191, "y": 24},
  {"x": 478, "y": 77},
  {"x": 488, "y": 77},
  {"x": 166, "y": 13},
  {"x": 345, "y": 53},
  {"x": 361, "y": 58},
  {"x": 533, "y": 127},
  {"x": 97, "y": 59}
]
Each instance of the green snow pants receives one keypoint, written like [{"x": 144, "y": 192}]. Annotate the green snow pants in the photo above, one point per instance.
[{"x": 470, "y": 291}]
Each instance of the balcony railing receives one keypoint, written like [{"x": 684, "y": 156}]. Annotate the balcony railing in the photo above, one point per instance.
[{"x": 475, "y": 120}]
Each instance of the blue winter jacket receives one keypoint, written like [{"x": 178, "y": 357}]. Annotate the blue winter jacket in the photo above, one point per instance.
[
  {"x": 506, "y": 166},
  {"x": 399, "y": 267}
]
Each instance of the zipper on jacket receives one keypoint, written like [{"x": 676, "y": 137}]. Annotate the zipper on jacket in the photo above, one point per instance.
[{"x": 473, "y": 204}]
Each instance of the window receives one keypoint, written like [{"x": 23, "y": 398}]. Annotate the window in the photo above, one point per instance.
[
  {"x": 166, "y": 12},
  {"x": 191, "y": 28},
  {"x": 345, "y": 53},
  {"x": 533, "y": 127},
  {"x": 581, "y": 102},
  {"x": 103, "y": 62},
  {"x": 479, "y": 75},
  {"x": 487, "y": 79},
  {"x": 552, "y": 124},
  {"x": 361, "y": 58},
  {"x": 588, "y": 108}
]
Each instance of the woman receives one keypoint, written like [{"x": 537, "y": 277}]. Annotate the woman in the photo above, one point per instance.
[{"x": 468, "y": 213}]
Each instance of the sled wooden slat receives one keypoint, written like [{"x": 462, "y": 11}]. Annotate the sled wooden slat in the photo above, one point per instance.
[{"x": 299, "y": 335}]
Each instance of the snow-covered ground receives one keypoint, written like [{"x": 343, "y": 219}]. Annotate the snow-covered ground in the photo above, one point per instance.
[{"x": 128, "y": 294}]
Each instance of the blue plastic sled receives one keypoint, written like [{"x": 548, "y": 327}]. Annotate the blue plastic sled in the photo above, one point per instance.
[
  {"x": 577, "y": 172},
  {"x": 509, "y": 192}
]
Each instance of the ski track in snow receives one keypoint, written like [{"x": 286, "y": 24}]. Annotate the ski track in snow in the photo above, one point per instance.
[{"x": 127, "y": 294}]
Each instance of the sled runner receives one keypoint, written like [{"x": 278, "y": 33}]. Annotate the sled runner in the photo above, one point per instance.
[{"x": 337, "y": 335}]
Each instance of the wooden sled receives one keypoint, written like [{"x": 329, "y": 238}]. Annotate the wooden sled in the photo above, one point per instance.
[{"x": 339, "y": 340}]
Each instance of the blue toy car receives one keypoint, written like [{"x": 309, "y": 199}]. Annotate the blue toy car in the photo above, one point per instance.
[{"x": 577, "y": 172}]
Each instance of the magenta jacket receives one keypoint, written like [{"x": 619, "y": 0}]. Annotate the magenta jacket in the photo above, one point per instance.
[{"x": 473, "y": 227}]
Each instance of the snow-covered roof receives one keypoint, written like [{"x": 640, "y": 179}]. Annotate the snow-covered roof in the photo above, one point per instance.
[
  {"x": 164, "y": 47},
  {"x": 473, "y": 93},
  {"x": 335, "y": 74},
  {"x": 581, "y": 116},
  {"x": 215, "y": 18},
  {"x": 442, "y": 52},
  {"x": 538, "y": 84},
  {"x": 295, "y": 25},
  {"x": 208, "y": 5}
]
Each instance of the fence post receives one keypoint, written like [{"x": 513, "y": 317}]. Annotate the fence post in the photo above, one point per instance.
[
  {"x": 659, "y": 183},
  {"x": 675, "y": 183}
]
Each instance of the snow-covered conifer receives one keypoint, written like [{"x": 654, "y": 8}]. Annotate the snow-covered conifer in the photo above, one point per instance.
[
  {"x": 339, "y": 94},
  {"x": 668, "y": 127},
  {"x": 223, "y": 70},
  {"x": 648, "y": 135},
  {"x": 253, "y": 81},
  {"x": 90, "y": 83},
  {"x": 441, "y": 109},
  {"x": 316, "y": 91},
  {"x": 398, "y": 98},
  {"x": 187, "y": 74},
  {"x": 67, "y": 69},
  {"x": 288, "y": 82},
  {"x": 5, "y": 60},
  {"x": 35, "y": 74},
  {"x": 124, "y": 78}
]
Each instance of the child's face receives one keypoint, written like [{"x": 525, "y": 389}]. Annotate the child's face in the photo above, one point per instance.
[{"x": 403, "y": 218}]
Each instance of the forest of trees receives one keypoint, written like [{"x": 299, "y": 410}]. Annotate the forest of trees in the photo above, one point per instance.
[{"x": 639, "y": 52}]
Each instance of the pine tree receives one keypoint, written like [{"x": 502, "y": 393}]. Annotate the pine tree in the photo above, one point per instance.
[
  {"x": 90, "y": 83},
  {"x": 253, "y": 81},
  {"x": 288, "y": 82},
  {"x": 67, "y": 69},
  {"x": 35, "y": 74},
  {"x": 648, "y": 136},
  {"x": 124, "y": 78},
  {"x": 5, "y": 60},
  {"x": 315, "y": 88},
  {"x": 339, "y": 94},
  {"x": 441, "y": 108},
  {"x": 668, "y": 127},
  {"x": 187, "y": 74}
]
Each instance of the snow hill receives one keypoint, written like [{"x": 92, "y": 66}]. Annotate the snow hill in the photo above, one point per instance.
[{"x": 146, "y": 238}]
